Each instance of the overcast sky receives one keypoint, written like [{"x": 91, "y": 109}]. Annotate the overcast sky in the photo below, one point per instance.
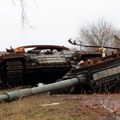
[{"x": 52, "y": 21}]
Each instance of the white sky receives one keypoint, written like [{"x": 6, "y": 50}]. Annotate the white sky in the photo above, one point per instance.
[{"x": 53, "y": 21}]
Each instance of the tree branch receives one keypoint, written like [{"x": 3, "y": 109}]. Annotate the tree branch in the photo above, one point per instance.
[{"x": 13, "y": 2}]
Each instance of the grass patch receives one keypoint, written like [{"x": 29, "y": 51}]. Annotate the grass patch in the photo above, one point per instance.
[{"x": 70, "y": 107}]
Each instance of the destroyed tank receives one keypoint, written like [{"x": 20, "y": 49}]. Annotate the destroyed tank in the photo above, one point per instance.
[
  {"x": 90, "y": 73},
  {"x": 29, "y": 65},
  {"x": 98, "y": 75}
]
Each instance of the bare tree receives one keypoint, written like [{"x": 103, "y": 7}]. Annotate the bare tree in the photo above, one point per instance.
[
  {"x": 24, "y": 18},
  {"x": 100, "y": 33}
]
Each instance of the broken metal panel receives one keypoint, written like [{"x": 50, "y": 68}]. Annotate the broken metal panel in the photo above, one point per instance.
[
  {"x": 68, "y": 54},
  {"x": 51, "y": 59}
]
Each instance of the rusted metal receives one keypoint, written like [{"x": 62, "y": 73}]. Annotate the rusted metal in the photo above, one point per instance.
[{"x": 41, "y": 47}]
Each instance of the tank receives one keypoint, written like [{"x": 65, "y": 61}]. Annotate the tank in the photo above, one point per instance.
[
  {"x": 29, "y": 65},
  {"x": 62, "y": 70},
  {"x": 95, "y": 76}
]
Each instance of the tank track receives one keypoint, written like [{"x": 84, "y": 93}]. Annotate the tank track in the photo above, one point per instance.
[{"x": 14, "y": 72}]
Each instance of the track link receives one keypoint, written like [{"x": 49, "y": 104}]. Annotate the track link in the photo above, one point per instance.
[{"x": 14, "y": 72}]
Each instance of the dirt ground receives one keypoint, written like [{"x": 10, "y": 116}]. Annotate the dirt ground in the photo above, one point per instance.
[{"x": 67, "y": 107}]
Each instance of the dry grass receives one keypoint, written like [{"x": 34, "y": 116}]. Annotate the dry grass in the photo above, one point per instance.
[{"x": 70, "y": 107}]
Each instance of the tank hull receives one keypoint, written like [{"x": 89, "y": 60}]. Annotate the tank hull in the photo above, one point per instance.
[{"x": 31, "y": 68}]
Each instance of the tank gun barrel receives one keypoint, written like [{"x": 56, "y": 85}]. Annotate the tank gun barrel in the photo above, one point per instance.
[
  {"x": 92, "y": 46},
  {"x": 10, "y": 96}
]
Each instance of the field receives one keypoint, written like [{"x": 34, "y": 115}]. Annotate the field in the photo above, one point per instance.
[{"x": 63, "y": 107}]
